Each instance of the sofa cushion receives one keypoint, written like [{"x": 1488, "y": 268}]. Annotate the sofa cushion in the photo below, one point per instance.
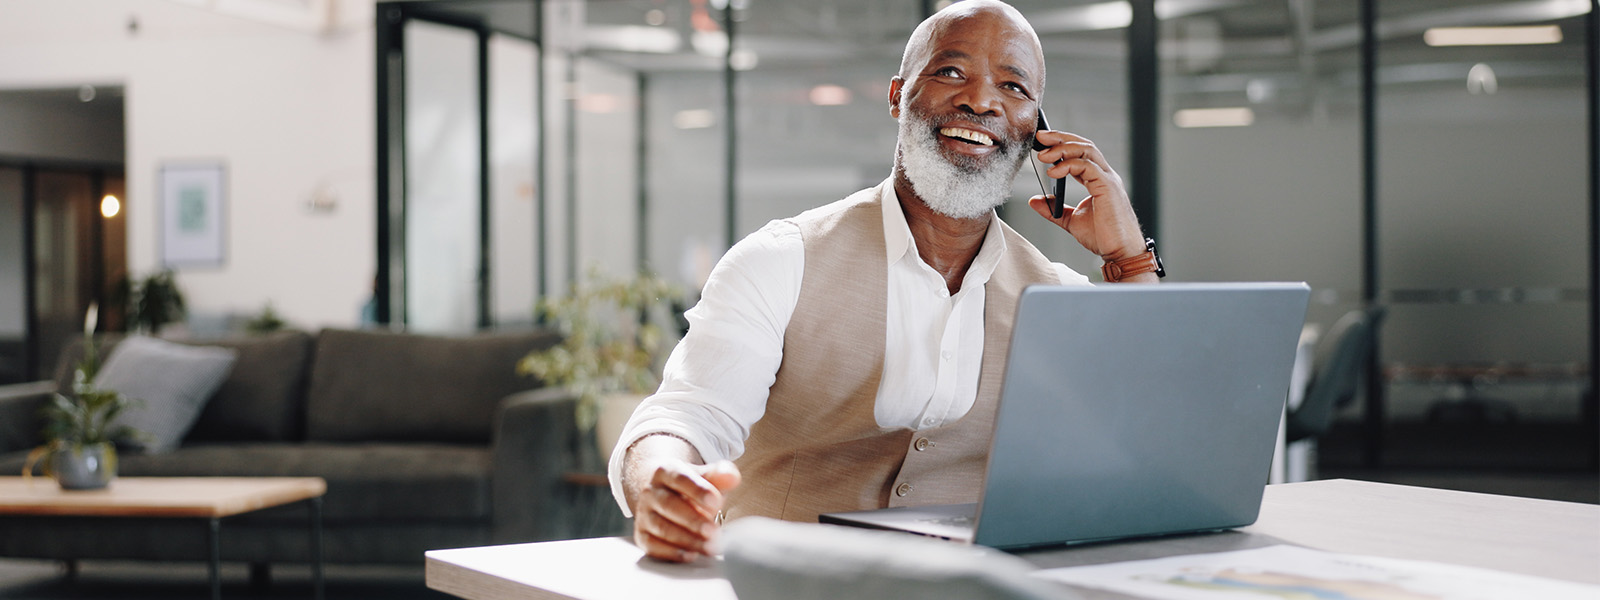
[
  {"x": 264, "y": 397},
  {"x": 169, "y": 382},
  {"x": 366, "y": 482},
  {"x": 368, "y": 385}
]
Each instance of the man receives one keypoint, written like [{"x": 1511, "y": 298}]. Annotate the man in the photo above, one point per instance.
[{"x": 840, "y": 381}]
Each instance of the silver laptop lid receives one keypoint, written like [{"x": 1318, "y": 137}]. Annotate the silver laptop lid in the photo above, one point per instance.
[{"x": 1162, "y": 412}]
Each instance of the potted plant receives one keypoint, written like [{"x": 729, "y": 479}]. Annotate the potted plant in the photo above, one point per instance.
[
  {"x": 611, "y": 350},
  {"x": 80, "y": 450},
  {"x": 151, "y": 302}
]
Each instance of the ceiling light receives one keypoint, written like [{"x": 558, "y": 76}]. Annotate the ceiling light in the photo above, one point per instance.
[
  {"x": 632, "y": 38},
  {"x": 1492, "y": 36},
  {"x": 86, "y": 93},
  {"x": 697, "y": 118},
  {"x": 743, "y": 60},
  {"x": 830, "y": 95},
  {"x": 599, "y": 103},
  {"x": 1481, "y": 80},
  {"x": 110, "y": 206},
  {"x": 655, "y": 17},
  {"x": 1214, "y": 117}
]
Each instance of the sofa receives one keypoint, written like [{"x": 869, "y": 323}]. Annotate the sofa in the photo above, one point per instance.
[{"x": 425, "y": 442}]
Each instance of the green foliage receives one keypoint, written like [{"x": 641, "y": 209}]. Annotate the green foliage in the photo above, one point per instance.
[
  {"x": 266, "y": 322},
  {"x": 85, "y": 419},
  {"x": 152, "y": 302},
  {"x": 611, "y": 340}
]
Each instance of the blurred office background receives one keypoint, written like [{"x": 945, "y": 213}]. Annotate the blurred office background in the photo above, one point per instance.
[{"x": 456, "y": 160}]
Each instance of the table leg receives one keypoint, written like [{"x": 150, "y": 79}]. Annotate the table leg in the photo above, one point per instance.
[
  {"x": 316, "y": 548},
  {"x": 213, "y": 543}
]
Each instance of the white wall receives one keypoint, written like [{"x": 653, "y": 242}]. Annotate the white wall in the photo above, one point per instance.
[{"x": 287, "y": 110}]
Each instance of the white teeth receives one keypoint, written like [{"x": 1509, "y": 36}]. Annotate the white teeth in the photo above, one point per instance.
[{"x": 967, "y": 134}]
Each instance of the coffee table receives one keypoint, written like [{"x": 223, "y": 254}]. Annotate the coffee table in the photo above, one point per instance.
[{"x": 209, "y": 498}]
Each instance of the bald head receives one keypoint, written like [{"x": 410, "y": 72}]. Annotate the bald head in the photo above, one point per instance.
[{"x": 922, "y": 42}]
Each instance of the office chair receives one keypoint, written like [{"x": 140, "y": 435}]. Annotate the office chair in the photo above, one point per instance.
[
  {"x": 767, "y": 559},
  {"x": 1335, "y": 376}
]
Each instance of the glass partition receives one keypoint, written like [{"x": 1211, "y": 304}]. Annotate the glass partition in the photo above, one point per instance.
[
  {"x": 442, "y": 184},
  {"x": 1483, "y": 184},
  {"x": 1261, "y": 148},
  {"x": 13, "y": 279}
]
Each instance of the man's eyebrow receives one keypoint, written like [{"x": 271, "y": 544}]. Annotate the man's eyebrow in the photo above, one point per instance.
[
  {"x": 1020, "y": 72},
  {"x": 950, "y": 54}
]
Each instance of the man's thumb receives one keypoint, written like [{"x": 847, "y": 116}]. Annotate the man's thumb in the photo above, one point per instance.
[{"x": 722, "y": 474}]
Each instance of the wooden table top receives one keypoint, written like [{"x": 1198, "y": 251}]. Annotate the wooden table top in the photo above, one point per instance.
[{"x": 156, "y": 496}]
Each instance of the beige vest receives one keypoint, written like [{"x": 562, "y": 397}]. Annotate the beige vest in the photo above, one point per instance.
[{"x": 819, "y": 448}]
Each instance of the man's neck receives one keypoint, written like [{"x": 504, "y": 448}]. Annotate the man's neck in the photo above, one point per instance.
[{"x": 945, "y": 243}]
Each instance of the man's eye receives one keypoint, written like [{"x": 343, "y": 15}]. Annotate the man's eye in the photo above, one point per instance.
[{"x": 948, "y": 72}]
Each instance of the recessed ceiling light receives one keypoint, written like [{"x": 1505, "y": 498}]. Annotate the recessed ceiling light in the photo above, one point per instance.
[
  {"x": 1492, "y": 36},
  {"x": 830, "y": 95},
  {"x": 1214, "y": 117},
  {"x": 697, "y": 118}
]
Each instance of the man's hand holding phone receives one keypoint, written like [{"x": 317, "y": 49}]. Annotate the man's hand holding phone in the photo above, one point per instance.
[{"x": 1103, "y": 222}]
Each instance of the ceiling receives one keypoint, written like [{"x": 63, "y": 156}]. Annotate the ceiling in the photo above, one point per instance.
[{"x": 1207, "y": 46}]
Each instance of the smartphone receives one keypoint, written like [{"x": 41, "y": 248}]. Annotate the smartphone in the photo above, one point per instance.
[{"x": 1057, "y": 205}]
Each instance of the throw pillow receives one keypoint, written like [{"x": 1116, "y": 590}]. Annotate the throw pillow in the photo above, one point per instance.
[{"x": 169, "y": 382}]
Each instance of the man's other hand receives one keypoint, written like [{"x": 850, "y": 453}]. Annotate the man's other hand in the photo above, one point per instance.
[{"x": 675, "y": 509}]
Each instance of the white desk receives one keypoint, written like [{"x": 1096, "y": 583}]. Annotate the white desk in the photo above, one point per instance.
[{"x": 1559, "y": 540}]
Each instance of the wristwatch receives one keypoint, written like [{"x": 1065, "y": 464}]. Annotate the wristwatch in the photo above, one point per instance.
[{"x": 1144, "y": 262}]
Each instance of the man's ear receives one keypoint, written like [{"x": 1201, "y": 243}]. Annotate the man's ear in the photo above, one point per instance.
[{"x": 894, "y": 95}]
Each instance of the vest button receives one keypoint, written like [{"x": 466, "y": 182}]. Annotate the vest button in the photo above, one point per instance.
[
  {"x": 922, "y": 444},
  {"x": 903, "y": 490}
]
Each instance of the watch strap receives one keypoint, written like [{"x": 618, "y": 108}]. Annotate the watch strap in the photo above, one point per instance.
[{"x": 1143, "y": 262}]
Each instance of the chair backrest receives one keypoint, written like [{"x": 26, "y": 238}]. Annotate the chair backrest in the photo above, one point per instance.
[{"x": 1336, "y": 375}]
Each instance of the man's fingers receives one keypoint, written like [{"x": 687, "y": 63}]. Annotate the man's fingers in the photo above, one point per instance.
[
  {"x": 691, "y": 486},
  {"x": 657, "y": 548},
  {"x": 668, "y": 508}
]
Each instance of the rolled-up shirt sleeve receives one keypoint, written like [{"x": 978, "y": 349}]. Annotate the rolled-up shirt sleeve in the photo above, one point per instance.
[{"x": 715, "y": 383}]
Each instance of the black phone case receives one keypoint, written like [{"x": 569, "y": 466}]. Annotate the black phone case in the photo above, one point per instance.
[{"x": 1057, "y": 205}]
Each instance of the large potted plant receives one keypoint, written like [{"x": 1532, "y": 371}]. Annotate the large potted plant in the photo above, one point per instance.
[
  {"x": 80, "y": 433},
  {"x": 611, "y": 349}
]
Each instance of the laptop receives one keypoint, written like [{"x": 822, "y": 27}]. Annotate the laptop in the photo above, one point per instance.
[{"x": 1127, "y": 411}]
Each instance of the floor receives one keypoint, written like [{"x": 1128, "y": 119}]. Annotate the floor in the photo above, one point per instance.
[{"x": 1551, "y": 461}]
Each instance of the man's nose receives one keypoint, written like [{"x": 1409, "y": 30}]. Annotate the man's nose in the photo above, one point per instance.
[{"x": 978, "y": 98}]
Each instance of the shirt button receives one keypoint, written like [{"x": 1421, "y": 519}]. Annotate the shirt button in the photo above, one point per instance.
[
  {"x": 944, "y": 292},
  {"x": 947, "y": 354},
  {"x": 922, "y": 444},
  {"x": 928, "y": 422},
  {"x": 903, "y": 490}
]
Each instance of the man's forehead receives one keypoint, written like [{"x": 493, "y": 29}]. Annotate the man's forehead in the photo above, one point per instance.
[
  {"x": 951, "y": 41},
  {"x": 951, "y": 32}
]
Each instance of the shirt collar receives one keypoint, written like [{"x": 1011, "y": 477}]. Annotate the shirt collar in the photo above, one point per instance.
[{"x": 897, "y": 240}]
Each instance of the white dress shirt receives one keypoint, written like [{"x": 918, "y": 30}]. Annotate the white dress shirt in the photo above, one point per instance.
[{"x": 714, "y": 387}]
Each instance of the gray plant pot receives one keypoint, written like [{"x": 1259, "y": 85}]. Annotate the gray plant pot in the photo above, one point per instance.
[{"x": 87, "y": 467}]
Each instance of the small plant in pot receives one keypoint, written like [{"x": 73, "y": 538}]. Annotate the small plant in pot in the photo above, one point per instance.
[
  {"x": 611, "y": 348},
  {"x": 80, "y": 433},
  {"x": 151, "y": 302}
]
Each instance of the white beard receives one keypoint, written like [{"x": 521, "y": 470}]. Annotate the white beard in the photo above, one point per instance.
[{"x": 957, "y": 186}]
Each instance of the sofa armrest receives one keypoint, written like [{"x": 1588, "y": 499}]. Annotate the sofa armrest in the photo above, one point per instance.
[
  {"x": 537, "y": 451},
  {"x": 19, "y": 413}
]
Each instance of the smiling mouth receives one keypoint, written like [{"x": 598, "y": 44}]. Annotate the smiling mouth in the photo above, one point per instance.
[{"x": 976, "y": 138}]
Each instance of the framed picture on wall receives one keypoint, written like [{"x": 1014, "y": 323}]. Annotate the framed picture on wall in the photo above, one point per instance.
[{"x": 193, "y": 196}]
